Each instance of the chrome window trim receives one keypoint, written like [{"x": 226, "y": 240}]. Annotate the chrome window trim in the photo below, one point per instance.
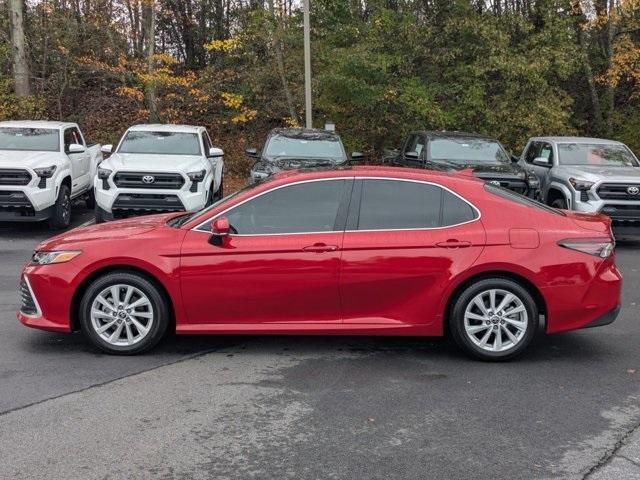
[
  {"x": 38, "y": 313},
  {"x": 197, "y": 228}
]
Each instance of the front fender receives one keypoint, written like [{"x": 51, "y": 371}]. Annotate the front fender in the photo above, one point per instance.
[{"x": 556, "y": 185}]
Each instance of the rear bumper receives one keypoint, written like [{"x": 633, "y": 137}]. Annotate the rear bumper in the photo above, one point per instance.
[{"x": 605, "y": 319}]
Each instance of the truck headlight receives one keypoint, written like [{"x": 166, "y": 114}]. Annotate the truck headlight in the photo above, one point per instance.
[
  {"x": 580, "y": 185},
  {"x": 103, "y": 173},
  {"x": 197, "y": 176},
  {"x": 46, "y": 172},
  {"x": 60, "y": 256}
]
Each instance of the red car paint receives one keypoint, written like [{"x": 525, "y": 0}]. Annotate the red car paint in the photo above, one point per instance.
[{"x": 395, "y": 282}]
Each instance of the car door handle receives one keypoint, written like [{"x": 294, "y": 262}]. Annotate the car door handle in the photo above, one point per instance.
[
  {"x": 454, "y": 244},
  {"x": 320, "y": 247}
]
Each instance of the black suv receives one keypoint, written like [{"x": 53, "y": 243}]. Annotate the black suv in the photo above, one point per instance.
[
  {"x": 456, "y": 150},
  {"x": 294, "y": 148}
]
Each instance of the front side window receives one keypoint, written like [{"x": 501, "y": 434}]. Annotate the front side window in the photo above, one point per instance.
[
  {"x": 300, "y": 208},
  {"x": 397, "y": 205},
  {"x": 29, "y": 139},
  {"x": 532, "y": 152},
  {"x": 605, "y": 154},
  {"x": 467, "y": 150},
  {"x": 71, "y": 135},
  {"x": 546, "y": 152},
  {"x": 160, "y": 143},
  {"x": 415, "y": 144}
]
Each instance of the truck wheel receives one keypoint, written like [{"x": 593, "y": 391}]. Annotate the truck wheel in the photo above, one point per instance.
[
  {"x": 220, "y": 193},
  {"x": 99, "y": 216},
  {"x": 560, "y": 203},
  {"x": 91, "y": 199},
  {"x": 61, "y": 217}
]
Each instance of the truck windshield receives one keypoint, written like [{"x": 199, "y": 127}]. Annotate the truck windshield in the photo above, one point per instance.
[
  {"x": 604, "y": 154},
  {"x": 30, "y": 139},
  {"x": 467, "y": 150},
  {"x": 160, "y": 143},
  {"x": 320, "y": 146}
]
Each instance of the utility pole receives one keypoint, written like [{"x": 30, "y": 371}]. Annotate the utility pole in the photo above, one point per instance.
[{"x": 307, "y": 66}]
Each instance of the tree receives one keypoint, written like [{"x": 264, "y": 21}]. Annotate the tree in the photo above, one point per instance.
[
  {"x": 149, "y": 24},
  {"x": 21, "y": 73}
]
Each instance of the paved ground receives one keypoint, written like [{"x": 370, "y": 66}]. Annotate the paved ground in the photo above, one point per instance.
[{"x": 316, "y": 408}]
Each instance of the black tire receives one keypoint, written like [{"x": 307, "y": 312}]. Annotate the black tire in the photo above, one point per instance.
[
  {"x": 465, "y": 299},
  {"x": 220, "y": 193},
  {"x": 560, "y": 203},
  {"x": 158, "y": 303},
  {"x": 99, "y": 216},
  {"x": 90, "y": 199},
  {"x": 61, "y": 216}
]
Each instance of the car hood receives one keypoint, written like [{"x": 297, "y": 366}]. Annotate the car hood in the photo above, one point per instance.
[
  {"x": 107, "y": 231},
  {"x": 153, "y": 163},
  {"x": 22, "y": 159},
  {"x": 594, "y": 173}
]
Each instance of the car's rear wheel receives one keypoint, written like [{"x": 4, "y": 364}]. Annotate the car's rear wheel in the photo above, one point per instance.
[
  {"x": 123, "y": 313},
  {"x": 494, "y": 319}
]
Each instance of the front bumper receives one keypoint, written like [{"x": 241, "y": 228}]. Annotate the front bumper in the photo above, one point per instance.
[
  {"x": 16, "y": 206},
  {"x": 625, "y": 215}
]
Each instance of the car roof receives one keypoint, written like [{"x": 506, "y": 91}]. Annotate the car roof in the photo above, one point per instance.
[
  {"x": 587, "y": 140},
  {"x": 36, "y": 124},
  {"x": 164, "y": 127}
]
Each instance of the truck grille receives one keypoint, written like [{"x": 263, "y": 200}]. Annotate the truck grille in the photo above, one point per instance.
[
  {"x": 11, "y": 176},
  {"x": 151, "y": 180},
  {"x": 28, "y": 304},
  {"x": 619, "y": 191},
  {"x": 13, "y": 199},
  {"x": 622, "y": 212},
  {"x": 127, "y": 204}
]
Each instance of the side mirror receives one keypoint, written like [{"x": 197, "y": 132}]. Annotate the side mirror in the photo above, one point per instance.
[
  {"x": 412, "y": 155},
  {"x": 215, "y": 152},
  {"x": 251, "y": 152},
  {"x": 75, "y": 148},
  {"x": 542, "y": 161},
  {"x": 106, "y": 148},
  {"x": 515, "y": 158},
  {"x": 220, "y": 229},
  {"x": 357, "y": 156}
]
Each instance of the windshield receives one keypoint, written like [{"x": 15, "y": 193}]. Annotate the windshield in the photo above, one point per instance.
[
  {"x": 322, "y": 147},
  {"x": 29, "y": 139},
  {"x": 606, "y": 154},
  {"x": 467, "y": 150},
  {"x": 160, "y": 143}
]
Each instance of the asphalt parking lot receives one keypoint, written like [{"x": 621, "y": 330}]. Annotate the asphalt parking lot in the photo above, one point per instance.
[{"x": 315, "y": 407}]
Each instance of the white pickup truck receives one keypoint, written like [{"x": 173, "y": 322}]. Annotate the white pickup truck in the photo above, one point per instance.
[
  {"x": 159, "y": 168},
  {"x": 43, "y": 167}
]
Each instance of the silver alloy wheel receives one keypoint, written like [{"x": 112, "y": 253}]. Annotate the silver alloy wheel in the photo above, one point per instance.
[
  {"x": 496, "y": 320},
  {"x": 122, "y": 315}
]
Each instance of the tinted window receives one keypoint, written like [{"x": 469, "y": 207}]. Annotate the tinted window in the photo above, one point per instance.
[
  {"x": 165, "y": 143},
  {"x": 455, "y": 210},
  {"x": 31, "y": 139},
  {"x": 305, "y": 207},
  {"x": 390, "y": 204}
]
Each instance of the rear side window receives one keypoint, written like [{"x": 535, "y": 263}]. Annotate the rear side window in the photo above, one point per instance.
[
  {"x": 397, "y": 205},
  {"x": 521, "y": 199}
]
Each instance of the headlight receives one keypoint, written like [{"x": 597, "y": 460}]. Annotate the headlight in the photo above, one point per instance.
[
  {"x": 197, "y": 176},
  {"x": 580, "y": 185},
  {"x": 47, "y": 258},
  {"x": 46, "y": 172},
  {"x": 103, "y": 173}
]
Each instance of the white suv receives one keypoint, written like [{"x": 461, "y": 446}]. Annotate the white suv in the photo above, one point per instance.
[
  {"x": 159, "y": 168},
  {"x": 43, "y": 166}
]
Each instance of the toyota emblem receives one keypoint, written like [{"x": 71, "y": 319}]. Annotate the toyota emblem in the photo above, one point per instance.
[
  {"x": 633, "y": 190},
  {"x": 495, "y": 182},
  {"x": 148, "y": 179}
]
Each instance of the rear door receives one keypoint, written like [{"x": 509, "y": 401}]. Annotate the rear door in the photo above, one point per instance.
[{"x": 403, "y": 243}]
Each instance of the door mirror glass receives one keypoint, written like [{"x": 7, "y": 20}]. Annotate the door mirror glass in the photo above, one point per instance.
[
  {"x": 543, "y": 162},
  {"x": 357, "y": 156},
  {"x": 251, "y": 152},
  {"x": 106, "y": 148},
  {"x": 215, "y": 152},
  {"x": 412, "y": 155},
  {"x": 76, "y": 148}
]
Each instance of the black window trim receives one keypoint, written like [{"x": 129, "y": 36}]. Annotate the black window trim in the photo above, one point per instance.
[{"x": 341, "y": 215}]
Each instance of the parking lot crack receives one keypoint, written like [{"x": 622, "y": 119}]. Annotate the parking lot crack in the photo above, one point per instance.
[{"x": 612, "y": 453}]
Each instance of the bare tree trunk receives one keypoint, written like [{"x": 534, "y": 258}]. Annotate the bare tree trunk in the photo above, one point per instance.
[
  {"x": 277, "y": 47},
  {"x": 21, "y": 73},
  {"x": 149, "y": 21}
]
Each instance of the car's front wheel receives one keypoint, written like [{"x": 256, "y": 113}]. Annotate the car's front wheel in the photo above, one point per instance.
[
  {"x": 123, "y": 313},
  {"x": 61, "y": 215},
  {"x": 494, "y": 319}
]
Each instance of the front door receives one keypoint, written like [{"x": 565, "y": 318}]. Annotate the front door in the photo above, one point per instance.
[
  {"x": 80, "y": 162},
  {"x": 402, "y": 249},
  {"x": 280, "y": 264}
]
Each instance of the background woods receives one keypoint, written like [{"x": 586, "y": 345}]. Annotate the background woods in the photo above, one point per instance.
[{"x": 508, "y": 68}]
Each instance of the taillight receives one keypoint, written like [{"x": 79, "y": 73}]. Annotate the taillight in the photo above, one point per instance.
[{"x": 599, "y": 247}]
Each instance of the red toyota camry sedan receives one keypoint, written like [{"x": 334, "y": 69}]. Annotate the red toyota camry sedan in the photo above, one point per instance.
[{"x": 362, "y": 251}]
